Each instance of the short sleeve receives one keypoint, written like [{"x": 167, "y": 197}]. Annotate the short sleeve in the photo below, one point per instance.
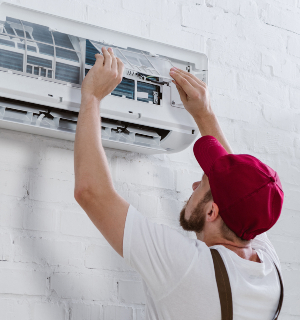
[
  {"x": 161, "y": 255},
  {"x": 262, "y": 242}
]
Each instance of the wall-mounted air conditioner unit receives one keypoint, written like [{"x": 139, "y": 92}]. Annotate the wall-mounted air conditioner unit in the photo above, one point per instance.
[{"x": 44, "y": 59}]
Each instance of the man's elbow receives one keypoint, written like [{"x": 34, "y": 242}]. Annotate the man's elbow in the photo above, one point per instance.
[
  {"x": 86, "y": 194},
  {"x": 81, "y": 194}
]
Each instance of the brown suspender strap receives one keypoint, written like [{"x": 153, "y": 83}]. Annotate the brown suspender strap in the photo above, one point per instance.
[
  {"x": 281, "y": 295},
  {"x": 223, "y": 285},
  {"x": 224, "y": 288}
]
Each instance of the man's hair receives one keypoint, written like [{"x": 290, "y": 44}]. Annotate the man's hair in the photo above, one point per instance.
[{"x": 227, "y": 233}]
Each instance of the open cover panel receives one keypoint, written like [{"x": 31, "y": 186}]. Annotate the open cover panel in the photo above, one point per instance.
[{"x": 42, "y": 64}]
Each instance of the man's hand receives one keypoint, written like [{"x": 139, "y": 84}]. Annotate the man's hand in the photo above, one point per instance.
[
  {"x": 104, "y": 76},
  {"x": 193, "y": 93},
  {"x": 195, "y": 98}
]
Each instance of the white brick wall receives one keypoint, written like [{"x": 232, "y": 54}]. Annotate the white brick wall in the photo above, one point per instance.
[{"x": 54, "y": 264}]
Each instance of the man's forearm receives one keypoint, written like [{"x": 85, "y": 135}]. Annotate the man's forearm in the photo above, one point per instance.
[
  {"x": 208, "y": 125},
  {"x": 90, "y": 162}
]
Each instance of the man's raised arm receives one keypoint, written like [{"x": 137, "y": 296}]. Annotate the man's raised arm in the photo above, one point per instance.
[
  {"x": 195, "y": 97},
  {"x": 94, "y": 189}
]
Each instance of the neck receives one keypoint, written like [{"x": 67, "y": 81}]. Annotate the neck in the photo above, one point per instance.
[{"x": 244, "y": 251}]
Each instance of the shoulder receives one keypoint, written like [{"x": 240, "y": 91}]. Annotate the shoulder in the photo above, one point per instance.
[
  {"x": 161, "y": 255},
  {"x": 262, "y": 242}
]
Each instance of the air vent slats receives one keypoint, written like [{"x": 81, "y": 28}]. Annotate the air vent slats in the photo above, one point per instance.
[{"x": 55, "y": 119}]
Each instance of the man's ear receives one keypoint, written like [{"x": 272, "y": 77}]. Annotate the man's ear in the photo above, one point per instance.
[{"x": 213, "y": 212}]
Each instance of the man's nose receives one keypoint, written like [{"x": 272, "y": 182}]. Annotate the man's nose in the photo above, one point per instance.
[{"x": 195, "y": 185}]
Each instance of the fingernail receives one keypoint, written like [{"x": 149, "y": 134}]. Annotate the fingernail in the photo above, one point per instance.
[
  {"x": 172, "y": 72},
  {"x": 173, "y": 68}
]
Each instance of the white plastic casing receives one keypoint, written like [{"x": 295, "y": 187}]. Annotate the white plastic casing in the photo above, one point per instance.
[{"x": 144, "y": 120}]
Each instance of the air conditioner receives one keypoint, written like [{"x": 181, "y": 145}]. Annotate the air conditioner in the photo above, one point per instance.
[{"x": 44, "y": 59}]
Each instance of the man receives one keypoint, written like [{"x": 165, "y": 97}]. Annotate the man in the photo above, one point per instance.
[{"x": 237, "y": 200}]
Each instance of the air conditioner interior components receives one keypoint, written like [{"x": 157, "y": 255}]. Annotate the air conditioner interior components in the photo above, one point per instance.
[
  {"x": 33, "y": 116},
  {"x": 44, "y": 59}
]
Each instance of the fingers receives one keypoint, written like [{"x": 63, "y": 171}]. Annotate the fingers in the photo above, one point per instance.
[
  {"x": 117, "y": 65},
  {"x": 191, "y": 80},
  {"x": 107, "y": 58},
  {"x": 184, "y": 84},
  {"x": 99, "y": 58},
  {"x": 114, "y": 66},
  {"x": 191, "y": 76},
  {"x": 120, "y": 69}
]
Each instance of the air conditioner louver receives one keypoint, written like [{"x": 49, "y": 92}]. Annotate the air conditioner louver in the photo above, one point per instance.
[{"x": 53, "y": 118}]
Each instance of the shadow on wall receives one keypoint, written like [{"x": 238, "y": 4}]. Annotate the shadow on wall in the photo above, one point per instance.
[{"x": 56, "y": 254}]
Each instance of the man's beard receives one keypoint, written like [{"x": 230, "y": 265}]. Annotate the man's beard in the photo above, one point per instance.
[{"x": 196, "y": 221}]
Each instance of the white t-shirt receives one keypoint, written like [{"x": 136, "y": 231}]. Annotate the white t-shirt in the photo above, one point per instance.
[{"x": 179, "y": 279}]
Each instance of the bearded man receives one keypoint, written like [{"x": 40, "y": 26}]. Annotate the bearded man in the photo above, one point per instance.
[{"x": 231, "y": 271}]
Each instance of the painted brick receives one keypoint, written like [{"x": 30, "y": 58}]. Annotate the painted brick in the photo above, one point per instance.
[
  {"x": 131, "y": 292},
  {"x": 170, "y": 208},
  {"x": 222, "y": 77},
  {"x": 292, "y": 255},
  {"x": 78, "y": 12},
  {"x": 78, "y": 224},
  {"x": 80, "y": 311},
  {"x": 140, "y": 314},
  {"x": 100, "y": 16},
  {"x": 51, "y": 252},
  {"x": 151, "y": 9},
  {"x": 117, "y": 312},
  {"x": 15, "y": 309},
  {"x": 41, "y": 219},
  {"x": 293, "y": 45},
  {"x": 259, "y": 34},
  {"x": 297, "y": 147},
  {"x": 23, "y": 282},
  {"x": 186, "y": 178},
  {"x": 57, "y": 163},
  {"x": 292, "y": 200},
  {"x": 148, "y": 205},
  {"x": 140, "y": 172},
  {"x": 13, "y": 183},
  {"x": 255, "y": 88},
  {"x": 289, "y": 171},
  {"x": 283, "y": 119},
  {"x": 205, "y": 19},
  {"x": 186, "y": 37},
  {"x": 48, "y": 311},
  {"x": 182, "y": 157},
  {"x": 52, "y": 190},
  {"x": 272, "y": 64},
  {"x": 295, "y": 98},
  {"x": 227, "y": 5},
  {"x": 283, "y": 18},
  {"x": 17, "y": 153},
  {"x": 292, "y": 282},
  {"x": 291, "y": 306},
  {"x": 11, "y": 213},
  {"x": 234, "y": 109},
  {"x": 104, "y": 257},
  {"x": 284, "y": 227},
  {"x": 82, "y": 286},
  {"x": 232, "y": 53},
  {"x": 5, "y": 247}
]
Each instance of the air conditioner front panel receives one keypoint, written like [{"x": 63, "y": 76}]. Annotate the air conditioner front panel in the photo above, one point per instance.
[
  {"x": 44, "y": 59},
  {"x": 54, "y": 123}
]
